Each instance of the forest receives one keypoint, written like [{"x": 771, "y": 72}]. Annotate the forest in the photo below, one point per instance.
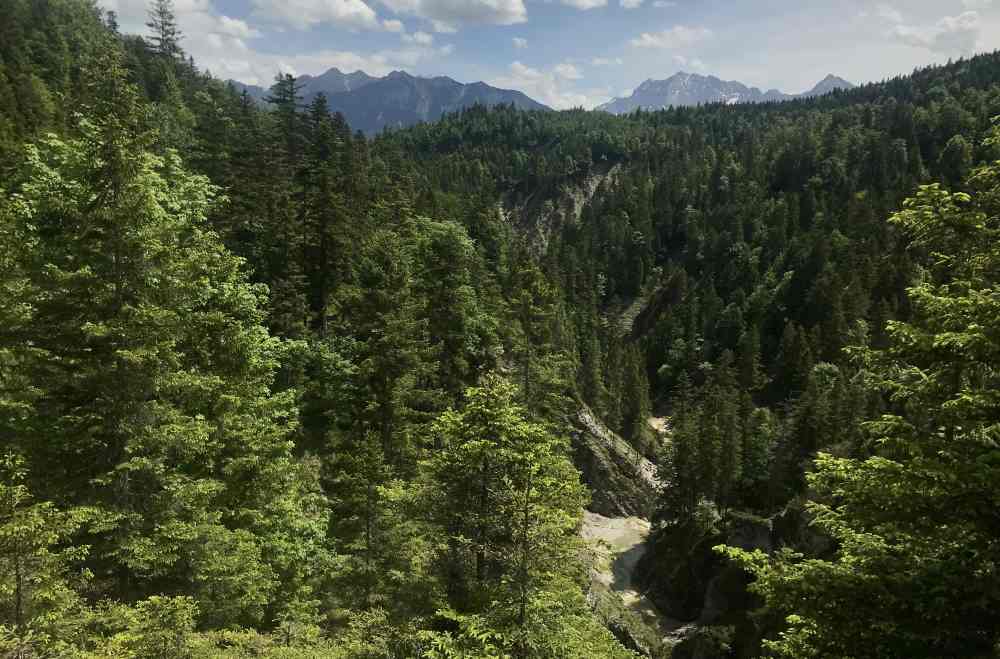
[{"x": 272, "y": 388}]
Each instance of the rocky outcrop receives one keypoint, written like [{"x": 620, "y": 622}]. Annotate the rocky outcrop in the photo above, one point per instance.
[
  {"x": 685, "y": 578},
  {"x": 622, "y": 482},
  {"x": 543, "y": 212}
]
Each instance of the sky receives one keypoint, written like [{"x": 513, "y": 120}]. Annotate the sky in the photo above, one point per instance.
[{"x": 570, "y": 53}]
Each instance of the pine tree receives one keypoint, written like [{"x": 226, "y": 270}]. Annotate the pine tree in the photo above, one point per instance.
[
  {"x": 377, "y": 537},
  {"x": 636, "y": 404},
  {"x": 166, "y": 36},
  {"x": 454, "y": 321},
  {"x": 915, "y": 520},
  {"x": 542, "y": 361},
  {"x": 328, "y": 231},
  {"x": 392, "y": 345},
  {"x": 751, "y": 375},
  {"x": 503, "y": 490},
  {"x": 283, "y": 238},
  {"x": 679, "y": 467},
  {"x": 158, "y": 411},
  {"x": 285, "y": 99},
  {"x": 41, "y": 611}
]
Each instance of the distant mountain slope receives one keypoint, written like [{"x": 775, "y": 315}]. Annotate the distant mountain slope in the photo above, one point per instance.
[
  {"x": 693, "y": 89},
  {"x": 332, "y": 82},
  {"x": 827, "y": 85},
  {"x": 399, "y": 99}
]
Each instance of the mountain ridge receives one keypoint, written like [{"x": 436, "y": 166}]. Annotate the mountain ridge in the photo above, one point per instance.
[
  {"x": 687, "y": 89},
  {"x": 397, "y": 100}
]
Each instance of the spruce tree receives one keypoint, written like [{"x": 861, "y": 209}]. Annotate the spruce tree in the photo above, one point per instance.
[
  {"x": 41, "y": 611},
  {"x": 158, "y": 410},
  {"x": 165, "y": 35},
  {"x": 914, "y": 519},
  {"x": 502, "y": 489}
]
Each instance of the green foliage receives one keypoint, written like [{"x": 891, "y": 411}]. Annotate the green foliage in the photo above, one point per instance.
[
  {"x": 153, "y": 374},
  {"x": 242, "y": 397},
  {"x": 503, "y": 491},
  {"x": 40, "y": 608},
  {"x": 914, "y": 519},
  {"x": 474, "y": 638},
  {"x": 159, "y": 627}
]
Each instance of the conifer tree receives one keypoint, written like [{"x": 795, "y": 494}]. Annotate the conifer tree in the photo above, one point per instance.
[
  {"x": 41, "y": 612},
  {"x": 635, "y": 398},
  {"x": 158, "y": 411},
  {"x": 328, "y": 231},
  {"x": 914, "y": 520},
  {"x": 454, "y": 321},
  {"x": 502, "y": 489},
  {"x": 166, "y": 36},
  {"x": 378, "y": 544},
  {"x": 392, "y": 347}
]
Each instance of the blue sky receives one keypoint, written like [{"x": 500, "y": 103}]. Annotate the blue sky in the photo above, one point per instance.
[{"x": 579, "y": 52}]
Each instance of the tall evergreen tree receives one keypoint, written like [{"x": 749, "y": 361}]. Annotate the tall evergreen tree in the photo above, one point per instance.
[
  {"x": 158, "y": 410},
  {"x": 165, "y": 35},
  {"x": 41, "y": 611},
  {"x": 503, "y": 491},
  {"x": 915, "y": 522}
]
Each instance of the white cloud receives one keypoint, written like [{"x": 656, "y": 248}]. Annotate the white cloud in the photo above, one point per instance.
[
  {"x": 393, "y": 25},
  {"x": 567, "y": 71},
  {"x": 889, "y": 13},
  {"x": 549, "y": 87},
  {"x": 303, "y": 14},
  {"x": 664, "y": 4},
  {"x": 444, "y": 28},
  {"x": 692, "y": 63},
  {"x": 218, "y": 44},
  {"x": 445, "y": 15},
  {"x": 421, "y": 38},
  {"x": 584, "y": 5},
  {"x": 952, "y": 35},
  {"x": 675, "y": 37},
  {"x": 196, "y": 18},
  {"x": 631, "y": 4},
  {"x": 977, "y": 4},
  {"x": 520, "y": 42},
  {"x": 235, "y": 27},
  {"x": 188, "y": 6},
  {"x": 257, "y": 68},
  {"x": 606, "y": 61}
]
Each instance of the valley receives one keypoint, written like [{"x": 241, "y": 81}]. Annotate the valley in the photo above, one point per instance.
[{"x": 391, "y": 366}]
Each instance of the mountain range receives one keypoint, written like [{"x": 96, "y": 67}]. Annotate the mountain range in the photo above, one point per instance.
[
  {"x": 399, "y": 99},
  {"x": 683, "y": 89},
  {"x": 371, "y": 104}
]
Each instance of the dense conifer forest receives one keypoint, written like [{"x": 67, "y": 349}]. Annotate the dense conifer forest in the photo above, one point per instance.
[{"x": 271, "y": 388}]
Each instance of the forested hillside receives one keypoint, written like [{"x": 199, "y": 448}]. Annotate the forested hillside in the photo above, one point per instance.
[{"x": 269, "y": 387}]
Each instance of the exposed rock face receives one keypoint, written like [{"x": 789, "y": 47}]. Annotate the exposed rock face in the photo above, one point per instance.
[
  {"x": 542, "y": 213},
  {"x": 623, "y": 482},
  {"x": 685, "y": 89},
  {"x": 615, "y": 528},
  {"x": 686, "y": 579}
]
